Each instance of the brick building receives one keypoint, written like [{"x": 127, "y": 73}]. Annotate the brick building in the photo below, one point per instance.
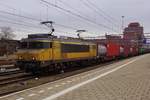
[
  {"x": 8, "y": 47},
  {"x": 134, "y": 31}
]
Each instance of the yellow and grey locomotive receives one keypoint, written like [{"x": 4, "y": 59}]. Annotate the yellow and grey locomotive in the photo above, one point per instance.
[{"x": 41, "y": 52}]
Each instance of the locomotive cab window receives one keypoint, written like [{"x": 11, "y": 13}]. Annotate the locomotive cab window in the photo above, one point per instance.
[
  {"x": 36, "y": 45},
  {"x": 39, "y": 45}
]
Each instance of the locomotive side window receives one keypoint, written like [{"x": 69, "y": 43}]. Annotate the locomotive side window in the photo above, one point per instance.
[
  {"x": 39, "y": 45},
  {"x": 69, "y": 48}
]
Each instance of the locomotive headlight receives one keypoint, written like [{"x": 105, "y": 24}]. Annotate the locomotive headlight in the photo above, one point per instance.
[
  {"x": 33, "y": 58},
  {"x": 20, "y": 57}
]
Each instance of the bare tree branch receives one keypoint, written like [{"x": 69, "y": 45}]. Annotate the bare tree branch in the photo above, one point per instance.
[{"x": 6, "y": 33}]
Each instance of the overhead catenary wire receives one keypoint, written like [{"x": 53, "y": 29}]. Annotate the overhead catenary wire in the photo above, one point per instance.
[
  {"x": 26, "y": 17},
  {"x": 69, "y": 6},
  {"x": 77, "y": 11},
  {"x": 70, "y": 27},
  {"x": 11, "y": 21},
  {"x": 16, "y": 23},
  {"x": 14, "y": 9},
  {"x": 90, "y": 6},
  {"x": 35, "y": 19},
  {"x": 6, "y": 6},
  {"x": 28, "y": 24},
  {"x": 17, "y": 15},
  {"x": 65, "y": 26},
  {"x": 24, "y": 30},
  {"x": 66, "y": 14},
  {"x": 20, "y": 21},
  {"x": 78, "y": 15},
  {"x": 99, "y": 9}
]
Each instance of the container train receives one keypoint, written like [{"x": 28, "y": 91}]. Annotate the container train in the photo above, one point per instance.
[{"x": 40, "y": 53}]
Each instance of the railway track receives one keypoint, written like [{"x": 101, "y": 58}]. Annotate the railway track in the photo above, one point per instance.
[
  {"x": 10, "y": 72},
  {"x": 11, "y": 79},
  {"x": 14, "y": 83},
  {"x": 17, "y": 79},
  {"x": 6, "y": 62}
]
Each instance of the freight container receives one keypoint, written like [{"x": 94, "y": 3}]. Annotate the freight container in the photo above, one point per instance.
[
  {"x": 113, "y": 50},
  {"x": 127, "y": 50},
  {"x": 145, "y": 48},
  {"x": 121, "y": 50},
  {"x": 102, "y": 50},
  {"x": 131, "y": 50},
  {"x": 142, "y": 50},
  {"x": 134, "y": 51}
]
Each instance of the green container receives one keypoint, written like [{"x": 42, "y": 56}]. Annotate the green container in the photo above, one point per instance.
[{"x": 141, "y": 50}]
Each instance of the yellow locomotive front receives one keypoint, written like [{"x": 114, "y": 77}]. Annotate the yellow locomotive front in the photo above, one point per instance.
[{"x": 34, "y": 54}]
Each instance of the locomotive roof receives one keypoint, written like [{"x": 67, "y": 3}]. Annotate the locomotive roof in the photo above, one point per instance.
[{"x": 72, "y": 41}]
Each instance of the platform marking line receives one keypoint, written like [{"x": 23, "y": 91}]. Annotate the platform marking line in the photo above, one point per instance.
[
  {"x": 49, "y": 88},
  {"x": 57, "y": 85},
  {"x": 108, "y": 68},
  {"x": 73, "y": 80},
  {"x": 30, "y": 95},
  {"x": 83, "y": 76},
  {"x": 63, "y": 83},
  {"x": 69, "y": 81},
  {"x": 77, "y": 78},
  {"x": 41, "y": 91},
  {"x": 20, "y": 99},
  {"x": 54, "y": 96}
]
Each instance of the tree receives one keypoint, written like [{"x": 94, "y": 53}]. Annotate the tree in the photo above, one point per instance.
[{"x": 6, "y": 33}]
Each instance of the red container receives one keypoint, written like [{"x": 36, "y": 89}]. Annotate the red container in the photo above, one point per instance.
[
  {"x": 127, "y": 50},
  {"x": 113, "y": 50},
  {"x": 134, "y": 50}
]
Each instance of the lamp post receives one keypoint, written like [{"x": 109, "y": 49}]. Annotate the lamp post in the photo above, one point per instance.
[{"x": 122, "y": 27}]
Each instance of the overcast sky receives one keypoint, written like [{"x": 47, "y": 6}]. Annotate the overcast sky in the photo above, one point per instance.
[{"x": 102, "y": 12}]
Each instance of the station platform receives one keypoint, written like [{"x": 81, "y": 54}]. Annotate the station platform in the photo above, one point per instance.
[{"x": 127, "y": 79}]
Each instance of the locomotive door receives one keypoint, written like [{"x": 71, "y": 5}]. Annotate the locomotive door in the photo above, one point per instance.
[
  {"x": 56, "y": 51},
  {"x": 92, "y": 50},
  {"x": 50, "y": 51}
]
